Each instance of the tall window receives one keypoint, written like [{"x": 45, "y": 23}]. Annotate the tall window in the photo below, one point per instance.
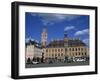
[
  {"x": 52, "y": 50},
  {"x": 73, "y": 49},
  {"x": 69, "y": 49},
  {"x": 76, "y": 54},
  {"x": 73, "y": 54},
  {"x": 58, "y": 50},
  {"x": 62, "y": 54},
  {"x": 85, "y": 53},
  {"x": 61, "y": 49},
  {"x": 82, "y": 49},
  {"x": 46, "y": 50},
  {"x": 79, "y": 53},
  {"x": 76, "y": 49},
  {"x": 55, "y": 50}
]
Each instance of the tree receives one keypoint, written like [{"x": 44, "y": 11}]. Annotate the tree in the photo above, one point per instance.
[
  {"x": 66, "y": 58},
  {"x": 42, "y": 57},
  {"x": 38, "y": 59},
  {"x": 28, "y": 60},
  {"x": 33, "y": 59}
]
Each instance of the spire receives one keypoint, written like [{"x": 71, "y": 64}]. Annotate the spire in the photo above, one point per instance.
[
  {"x": 65, "y": 39},
  {"x": 65, "y": 34},
  {"x": 44, "y": 29}
]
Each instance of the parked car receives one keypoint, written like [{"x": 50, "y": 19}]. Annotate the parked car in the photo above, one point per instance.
[
  {"x": 80, "y": 60},
  {"x": 50, "y": 62},
  {"x": 34, "y": 62}
]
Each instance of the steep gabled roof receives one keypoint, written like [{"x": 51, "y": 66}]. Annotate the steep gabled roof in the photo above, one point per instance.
[
  {"x": 61, "y": 43},
  {"x": 36, "y": 44}
]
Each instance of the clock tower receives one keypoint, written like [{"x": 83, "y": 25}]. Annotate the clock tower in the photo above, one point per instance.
[
  {"x": 44, "y": 37},
  {"x": 65, "y": 39}
]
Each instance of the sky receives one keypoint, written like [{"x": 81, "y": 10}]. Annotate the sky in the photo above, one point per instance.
[{"x": 76, "y": 26}]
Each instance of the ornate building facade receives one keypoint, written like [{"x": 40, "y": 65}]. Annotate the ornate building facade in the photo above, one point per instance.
[
  {"x": 56, "y": 49},
  {"x": 59, "y": 49},
  {"x": 33, "y": 50}
]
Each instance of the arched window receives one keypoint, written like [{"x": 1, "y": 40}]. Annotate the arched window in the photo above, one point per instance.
[
  {"x": 69, "y": 49},
  {"x": 58, "y": 54},
  {"x": 62, "y": 54},
  {"x": 79, "y": 53},
  {"x": 76, "y": 54},
  {"x": 58, "y": 50},
  {"x": 82, "y": 49},
  {"x": 55, "y": 50},
  {"x": 73, "y": 49},
  {"x": 61, "y": 49},
  {"x": 85, "y": 53},
  {"x": 52, "y": 50},
  {"x": 76, "y": 49}
]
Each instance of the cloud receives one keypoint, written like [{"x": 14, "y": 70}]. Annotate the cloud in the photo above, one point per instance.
[
  {"x": 86, "y": 41},
  {"x": 33, "y": 14},
  {"x": 82, "y": 32},
  {"x": 51, "y": 18},
  {"x": 69, "y": 28},
  {"x": 27, "y": 39}
]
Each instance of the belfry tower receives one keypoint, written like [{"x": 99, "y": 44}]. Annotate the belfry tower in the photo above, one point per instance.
[
  {"x": 44, "y": 37},
  {"x": 65, "y": 39}
]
